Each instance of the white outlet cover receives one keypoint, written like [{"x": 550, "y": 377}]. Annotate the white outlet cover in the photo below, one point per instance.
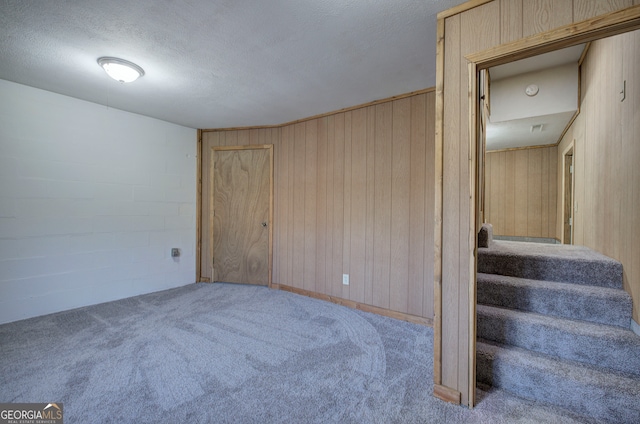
[{"x": 345, "y": 279}]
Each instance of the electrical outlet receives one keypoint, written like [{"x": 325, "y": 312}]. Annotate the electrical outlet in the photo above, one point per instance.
[
  {"x": 345, "y": 279},
  {"x": 175, "y": 252}
]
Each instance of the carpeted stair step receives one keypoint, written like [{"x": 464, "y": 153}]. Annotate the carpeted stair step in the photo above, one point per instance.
[
  {"x": 601, "y": 305},
  {"x": 550, "y": 262},
  {"x": 600, "y": 345},
  {"x": 581, "y": 388}
]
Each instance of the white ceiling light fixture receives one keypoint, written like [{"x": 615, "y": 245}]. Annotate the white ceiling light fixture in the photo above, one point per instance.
[
  {"x": 531, "y": 90},
  {"x": 120, "y": 70}
]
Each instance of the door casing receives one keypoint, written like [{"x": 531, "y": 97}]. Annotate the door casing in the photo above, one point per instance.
[{"x": 568, "y": 170}]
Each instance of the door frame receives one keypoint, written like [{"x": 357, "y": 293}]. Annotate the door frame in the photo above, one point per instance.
[
  {"x": 568, "y": 190},
  {"x": 606, "y": 25},
  {"x": 269, "y": 148}
]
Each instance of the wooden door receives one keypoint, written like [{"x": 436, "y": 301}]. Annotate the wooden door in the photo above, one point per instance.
[{"x": 241, "y": 208}]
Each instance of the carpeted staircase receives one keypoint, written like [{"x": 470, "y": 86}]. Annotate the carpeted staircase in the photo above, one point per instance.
[{"x": 554, "y": 326}]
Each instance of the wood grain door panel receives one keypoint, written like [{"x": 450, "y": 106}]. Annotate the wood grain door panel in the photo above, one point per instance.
[{"x": 241, "y": 211}]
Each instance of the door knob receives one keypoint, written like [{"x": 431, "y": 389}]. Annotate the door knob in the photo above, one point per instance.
[{"x": 264, "y": 224}]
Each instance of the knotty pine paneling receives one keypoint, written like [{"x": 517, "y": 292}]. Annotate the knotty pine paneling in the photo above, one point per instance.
[
  {"x": 531, "y": 176},
  {"x": 606, "y": 154},
  {"x": 353, "y": 194},
  {"x": 470, "y": 29}
]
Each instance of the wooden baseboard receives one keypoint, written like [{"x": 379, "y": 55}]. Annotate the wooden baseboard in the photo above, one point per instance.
[
  {"x": 447, "y": 394},
  {"x": 357, "y": 305}
]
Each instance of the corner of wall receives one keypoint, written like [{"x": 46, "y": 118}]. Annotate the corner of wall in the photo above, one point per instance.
[{"x": 92, "y": 199}]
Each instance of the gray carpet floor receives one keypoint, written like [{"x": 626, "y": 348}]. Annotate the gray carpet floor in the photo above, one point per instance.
[{"x": 221, "y": 353}]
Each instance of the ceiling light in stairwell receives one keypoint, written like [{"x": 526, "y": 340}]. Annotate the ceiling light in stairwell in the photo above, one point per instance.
[
  {"x": 121, "y": 70},
  {"x": 531, "y": 90}
]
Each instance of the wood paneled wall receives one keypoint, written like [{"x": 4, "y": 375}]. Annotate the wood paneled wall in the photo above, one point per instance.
[
  {"x": 521, "y": 192},
  {"x": 607, "y": 154},
  {"x": 354, "y": 194},
  {"x": 472, "y": 27},
  {"x": 474, "y": 30}
]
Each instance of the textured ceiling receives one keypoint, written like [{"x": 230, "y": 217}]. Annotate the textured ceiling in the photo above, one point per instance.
[{"x": 224, "y": 63}]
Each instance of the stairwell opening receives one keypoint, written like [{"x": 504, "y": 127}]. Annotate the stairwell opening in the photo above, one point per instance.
[{"x": 502, "y": 323}]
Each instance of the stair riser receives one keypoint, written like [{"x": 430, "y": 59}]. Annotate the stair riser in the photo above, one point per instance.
[
  {"x": 564, "y": 344},
  {"x": 603, "y": 274},
  {"x": 614, "y": 352},
  {"x": 608, "y": 403},
  {"x": 612, "y": 310}
]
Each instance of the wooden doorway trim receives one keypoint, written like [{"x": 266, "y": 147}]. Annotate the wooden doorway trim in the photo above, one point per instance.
[
  {"x": 586, "y": 31},
  {"x": 199, "y": 208},
  {"x": 568, "y": 193},
  {"x": 269, "y": 148},
  {"x": 603, "y": 26}
]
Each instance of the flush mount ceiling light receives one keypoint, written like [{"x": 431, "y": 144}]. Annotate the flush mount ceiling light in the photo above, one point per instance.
[
  {"x": 120, "y": 70},
  {"x": 531, "y": 90}
]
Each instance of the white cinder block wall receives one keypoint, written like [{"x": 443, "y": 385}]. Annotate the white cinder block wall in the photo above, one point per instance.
[{"x": 92, "y": 200}]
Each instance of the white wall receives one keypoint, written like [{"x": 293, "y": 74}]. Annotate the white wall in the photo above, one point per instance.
[
  {"x": 92, "y": 199},
  {"x": 558, "y": 93}
]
